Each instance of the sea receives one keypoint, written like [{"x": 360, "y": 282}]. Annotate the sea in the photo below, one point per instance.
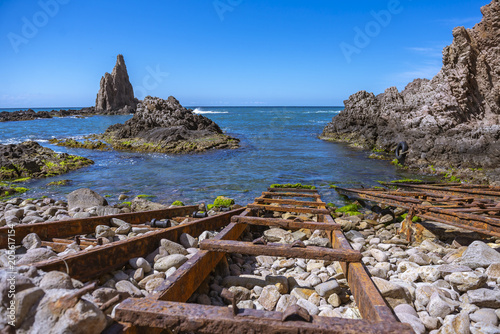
[{"x": 278, "y": 145}]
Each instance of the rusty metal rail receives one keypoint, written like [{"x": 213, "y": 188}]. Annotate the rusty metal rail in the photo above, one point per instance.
[
  {"x": 475, "y": 211},
  {"x": 167, "y": 307}
]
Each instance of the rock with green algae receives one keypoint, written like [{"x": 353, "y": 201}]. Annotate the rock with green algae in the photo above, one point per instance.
[{"x": 31, "y": 160}]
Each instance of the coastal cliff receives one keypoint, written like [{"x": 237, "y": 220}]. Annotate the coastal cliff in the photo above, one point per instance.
[{"x": 451, "y": 121}]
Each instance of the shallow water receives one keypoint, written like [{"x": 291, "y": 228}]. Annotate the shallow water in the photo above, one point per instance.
[{"x": 278, "y": 145}]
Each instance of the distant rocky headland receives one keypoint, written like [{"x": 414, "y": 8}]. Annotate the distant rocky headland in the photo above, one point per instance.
[
  {"x": 449, "y": 122},
  {"x": 115, "y": 97},
  {"x": 159, "y": 125}
]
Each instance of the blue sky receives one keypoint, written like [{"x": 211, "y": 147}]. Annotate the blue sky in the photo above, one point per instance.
[{"x": 222, "y": 52}]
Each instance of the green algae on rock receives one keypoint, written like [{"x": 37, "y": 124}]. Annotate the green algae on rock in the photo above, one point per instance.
[{"x": 31, "y": 160}]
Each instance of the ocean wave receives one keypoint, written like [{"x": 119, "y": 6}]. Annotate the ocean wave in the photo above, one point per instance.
[
  {"x": 199, "y": 111},
  {"x": 323, "y": 112}
]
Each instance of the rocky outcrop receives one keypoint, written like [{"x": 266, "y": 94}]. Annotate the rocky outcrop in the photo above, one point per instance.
[
  {"x": 30, "y": 114},
  {"x": 159, "y": 125},
  {"x": 116, "y": 94},
  {"x": 452, "y": 120},
  {"x": 30, "y": 160}
]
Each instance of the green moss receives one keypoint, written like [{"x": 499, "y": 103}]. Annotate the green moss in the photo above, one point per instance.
[
  {"x": 210, "y": 206},
  {"x": 127, "y": 203},
  {"x": 330, "y": 205},
  {"x": 145, "y": 196},
  {"x": 353, "y": 213},
  {"x": 44, "y": 196},
  {"x": 378, "y": 188},
  {"x": 21, "y": 190},
  {"x": 59, "y": 183},
  {"x": 415, "y": 219},
  {"x": 108, "y": 196},
  {"x": 378, "y": 150},
  {"x": 333, "y": 186},
  {"x": 222, "y": 201},
  {"x": 178, "y": 203},
  {"x": 407, "y": 181},
  {"x": 24, "y": 179},
  {"x": 290, "y": 185},
  {"x": 349, "y": 208}
]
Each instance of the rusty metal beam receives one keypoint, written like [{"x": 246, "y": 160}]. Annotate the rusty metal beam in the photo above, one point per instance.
[
  {"x": 188, "y": 277},
  {"x": 182, "y": 317},
  {"x": 275, "y": 249},
  {"x": 88, "y": 264},
  {"x": 456, "y": 191},
  {"x": 288, "y": 209},
  {"x": 284, "y": 223},
  {"x": 72, "y": 227}
]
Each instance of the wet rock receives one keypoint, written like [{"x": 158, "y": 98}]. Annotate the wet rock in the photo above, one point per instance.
[
  {"x": 169, "y": 261},
  {"x": 85, "y": 198},
  {"x": 56, "y": 280},
  {"x": 36, "y": 255},
  {"x": 31, "y": 241}
]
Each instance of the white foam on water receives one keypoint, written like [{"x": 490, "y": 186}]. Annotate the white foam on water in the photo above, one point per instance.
[{"x": 200, "y": 112}]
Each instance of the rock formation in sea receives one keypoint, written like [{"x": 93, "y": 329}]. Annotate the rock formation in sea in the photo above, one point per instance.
[
  {"x": 159, "y": 125},
  {"x": 116, "y": 94},
  {"x": 451, "y": 121},
  {"x": 30, "y": 160}
]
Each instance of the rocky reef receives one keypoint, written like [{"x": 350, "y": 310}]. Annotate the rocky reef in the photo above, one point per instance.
[
  {"x": 159, "y": 125},
  {"x": 116, "y": 94},
  {"x": 451, "y": 121},
  {"x": 30, "y": 160}
]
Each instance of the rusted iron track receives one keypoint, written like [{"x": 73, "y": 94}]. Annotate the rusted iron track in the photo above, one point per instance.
[
  {"x": 72, "y": 227},
  {"x": 452, "y": 215},
  {"x": 88, "y": 264},
  {"x": 477, "y": 191},
  {"x": 167, "y": 309}
]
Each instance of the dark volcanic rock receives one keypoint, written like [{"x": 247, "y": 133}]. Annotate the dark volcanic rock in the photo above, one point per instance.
[
  {"x": 29, "y": 159},
  {"x": 452, "y": 120},
  {"x": 116, "y": 92},
  {"x": 166, "y": 126}
]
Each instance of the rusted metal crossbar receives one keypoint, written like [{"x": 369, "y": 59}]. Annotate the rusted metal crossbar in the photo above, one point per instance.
[
  {"x": 477, "y": 213},
  {"x": 167, "y": 307}
]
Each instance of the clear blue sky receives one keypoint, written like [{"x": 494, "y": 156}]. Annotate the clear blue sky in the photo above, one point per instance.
[{"x": 227, "y": 52}]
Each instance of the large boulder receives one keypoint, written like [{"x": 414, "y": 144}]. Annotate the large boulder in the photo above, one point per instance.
[
  {"x": 115, "y": 92},
  {"x": 85, "y": 198}
]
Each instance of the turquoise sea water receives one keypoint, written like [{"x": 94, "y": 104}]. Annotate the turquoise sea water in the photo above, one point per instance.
[{"x": 278, "y": 145}]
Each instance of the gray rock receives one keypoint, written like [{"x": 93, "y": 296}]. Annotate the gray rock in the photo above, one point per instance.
[
  {"x": 412, "y": 320},
  {"x": 107, "y": 211},
  {"x": 128, "y": 287},
  {"x": 456, "y": 324},
  {"x": 31, "y": 241},
  {"x": 318, "y": 242},
  {"x": 464, "y": 281},
  {"x": 24, "y": 300},
  {"x": 188, "y": 241},
  {"x": 19, "y": 213},
  {"x": 284, "y": 302},
  {"x": 56, "y": 280},
  {"x": 117, "y": 222},
  {"x": 493, "y": 271},
  {"x": 173, "y": 247},
  {"x": 141, "y": 204},
  {"x": 205, "y": 235},
  {"x": 102, "y": 295},
  {"x": 379, "y": 255},
  {"x": 447, "y": 269},
  {"x": 169, "y": 261},
  {"x": 327, "y": 288},
  {"x": 139, "y": 262},
  {"x": 393, "y": 293},
  {"x": 123, "y": 229},
  {"x": 269, "y": 297},
  {"x": 81, "y": 215},
  {"x": 485, "y": 315},
  {"x": 484, "y": 298},
  {"x": 240, "y": 293},
  {"x": 104, "y": 231},
  {"x": 36, "y": 255},
  {"x": 32, "y": 220},
  {"x": 246, "y": 304},
  {"x": 405, "y": 308},
  {"x": 439, "y": 307},
  {"x": 277, "y": 234},
  {"x": 85, "y": 198},
  {"x": 115, "y": 91},
  {"x": 310, "y": 307},
  {"x": 479, "y": 254}
]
